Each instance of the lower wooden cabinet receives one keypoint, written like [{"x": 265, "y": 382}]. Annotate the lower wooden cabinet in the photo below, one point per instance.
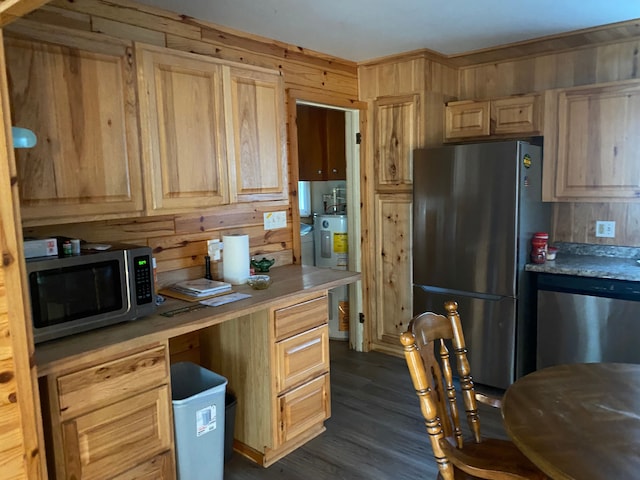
[
  {"x": 277, "y": 363},
  {"x": 302, "y": 408},
  {"x": 161, "y": 467},
  {"x": 111, "y": 420},
  {"x": 113, "y": 439}
]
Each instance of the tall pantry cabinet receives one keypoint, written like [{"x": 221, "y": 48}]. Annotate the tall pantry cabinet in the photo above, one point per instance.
[{"x": 406, "y": 99}]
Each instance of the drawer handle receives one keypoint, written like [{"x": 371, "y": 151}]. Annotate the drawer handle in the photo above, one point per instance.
[{"x": 305, "y": 345}]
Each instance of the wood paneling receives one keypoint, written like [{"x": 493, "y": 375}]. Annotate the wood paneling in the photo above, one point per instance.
[
  {"x": 598, "y": 64},
  {"x": 22, "y": 442},
  {"x": 615, "y": 32}
]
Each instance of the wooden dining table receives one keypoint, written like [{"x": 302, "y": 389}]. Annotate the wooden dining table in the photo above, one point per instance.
[{"x": 578, "y": 421}]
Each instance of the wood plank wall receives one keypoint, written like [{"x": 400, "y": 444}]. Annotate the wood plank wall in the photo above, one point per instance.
[
  {"x": 572, "y": 222},
  {"x": 179, "y": 241},
  {"x": 21, "y": 438}
]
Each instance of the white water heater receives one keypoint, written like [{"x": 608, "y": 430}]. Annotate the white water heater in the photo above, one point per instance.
[{"x": 331, "y": 251}]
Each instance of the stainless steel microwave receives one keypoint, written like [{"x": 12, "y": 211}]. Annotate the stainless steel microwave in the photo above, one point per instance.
[{"x": 76, "y": 293}]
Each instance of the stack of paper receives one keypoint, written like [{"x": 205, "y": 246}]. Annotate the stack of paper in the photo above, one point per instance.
[{"x": 201, "y": 287}]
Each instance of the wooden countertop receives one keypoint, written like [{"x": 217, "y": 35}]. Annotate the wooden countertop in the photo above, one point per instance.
[{"x": 287, "y": 282}]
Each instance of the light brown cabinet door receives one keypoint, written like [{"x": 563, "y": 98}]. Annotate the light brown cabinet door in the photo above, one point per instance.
[
  {"x": 517, "y": 115},
  {"x": 183, "y": 130},
  {"x": 108, "y": 441},
  {"x": 81, "y": 104},
  {"x": 465, "y": 119},
  {"x": 256, "y": 134},
  {"x": 393, "y": 257},
  {"x": 396, "y": 135},
  {"x": 303, "y": 408},
  {"x": 302, "y": 357},
  {"x": 592, "y": 145}
]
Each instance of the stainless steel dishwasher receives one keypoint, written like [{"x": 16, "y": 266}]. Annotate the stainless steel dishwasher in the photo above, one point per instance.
[{"x": 584, "y": 319}]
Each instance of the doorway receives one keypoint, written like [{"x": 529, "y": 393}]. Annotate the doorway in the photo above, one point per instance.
[{"x": 328, "y": 208}]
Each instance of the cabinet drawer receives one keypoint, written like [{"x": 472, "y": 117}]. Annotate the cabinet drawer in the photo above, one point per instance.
[
  {"x": 98, "y": 384},
  {"x": 302, "y": 357},
  {"x": 301, "y": 317},
  {"x": 111, "y": 440},
  {"x": 304, "y": 407}
]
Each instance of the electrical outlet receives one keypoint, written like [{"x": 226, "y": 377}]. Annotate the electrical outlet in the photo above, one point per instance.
[
  {"x": 213, "y": 249},
  {"x": 273, "y": 220},
  {"x": 605, "y": 229}
]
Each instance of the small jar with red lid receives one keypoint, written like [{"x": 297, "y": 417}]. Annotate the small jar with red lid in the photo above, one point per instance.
[{"x": 539, "y": 247}]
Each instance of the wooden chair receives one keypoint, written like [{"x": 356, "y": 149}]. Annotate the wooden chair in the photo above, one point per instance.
[{"x": 433, "y": 380}]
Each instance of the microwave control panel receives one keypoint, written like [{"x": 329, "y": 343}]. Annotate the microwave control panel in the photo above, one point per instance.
[{"x": 144, "y": 282}]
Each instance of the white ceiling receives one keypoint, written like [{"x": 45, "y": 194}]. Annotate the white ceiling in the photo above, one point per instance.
[{"x": 361, "y": 30}]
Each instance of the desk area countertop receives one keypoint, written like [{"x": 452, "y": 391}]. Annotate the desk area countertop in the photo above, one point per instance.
[
  {"x": 592, "y": 261},
  {"x": 288, "y": 282}
]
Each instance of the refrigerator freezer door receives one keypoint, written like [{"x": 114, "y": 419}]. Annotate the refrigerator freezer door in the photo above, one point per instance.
[
  {"x": 465, "y": 217},
  {"x": 489, "y": 330}
]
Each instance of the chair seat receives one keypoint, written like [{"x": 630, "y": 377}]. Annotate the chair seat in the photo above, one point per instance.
[{"x": 486, "y": 459}]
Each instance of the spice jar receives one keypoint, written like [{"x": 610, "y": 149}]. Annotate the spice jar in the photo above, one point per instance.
[
  {"x": 545, "y": 237},
  {"x": 67, "y": 248},
  {"x": 538, "y": 249}
]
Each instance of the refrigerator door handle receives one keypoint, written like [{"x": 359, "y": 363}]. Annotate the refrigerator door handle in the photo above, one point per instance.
[{"x": 461, "y": 293}]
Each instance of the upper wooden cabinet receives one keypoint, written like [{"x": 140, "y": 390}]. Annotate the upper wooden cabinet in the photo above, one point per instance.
[
  {"x": 499, "y": 118},
  {"x": 591, "y": 143},
  {"x": 81, "y": 104},
  {"x": 466, "y": 118},
  {"x": 183, "y": 130},
  {"x": 213, "y": 133},
  {"x": 256, "y": 128},
  {"x": 396, "y": 134},
  {"x": 321, "y": 143}
]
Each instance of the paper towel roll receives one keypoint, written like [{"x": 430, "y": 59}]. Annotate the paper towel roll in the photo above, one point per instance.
[{"x": 235, "y": 267}]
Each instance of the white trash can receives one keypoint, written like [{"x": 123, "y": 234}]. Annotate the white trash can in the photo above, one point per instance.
[{"x": 198, "y": 398}]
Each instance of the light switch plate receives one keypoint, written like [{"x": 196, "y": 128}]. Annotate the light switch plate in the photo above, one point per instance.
[
  {"x": 273, "y": 220},
  {"x": 605, "y": 229}
]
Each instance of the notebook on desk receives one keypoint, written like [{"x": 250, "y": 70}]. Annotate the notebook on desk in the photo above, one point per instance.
[{"x": 201, "y": 287}]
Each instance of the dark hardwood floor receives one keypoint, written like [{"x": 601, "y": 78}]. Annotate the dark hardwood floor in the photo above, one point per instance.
[{"x": 376, "y": 430}]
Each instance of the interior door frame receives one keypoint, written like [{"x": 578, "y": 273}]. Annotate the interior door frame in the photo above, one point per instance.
[{"x": 358, "y": 336}]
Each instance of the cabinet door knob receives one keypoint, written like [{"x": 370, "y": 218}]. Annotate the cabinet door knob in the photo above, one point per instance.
[
  {"x": 335, "y": 170},
  {"x": 319, "y": 172}
]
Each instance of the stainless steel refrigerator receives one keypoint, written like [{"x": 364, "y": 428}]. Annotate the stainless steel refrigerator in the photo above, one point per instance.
[{"x": 475, "y": 209}]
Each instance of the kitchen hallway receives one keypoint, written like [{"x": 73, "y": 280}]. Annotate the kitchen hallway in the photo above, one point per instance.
[{"x": 376, "y": 430}]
